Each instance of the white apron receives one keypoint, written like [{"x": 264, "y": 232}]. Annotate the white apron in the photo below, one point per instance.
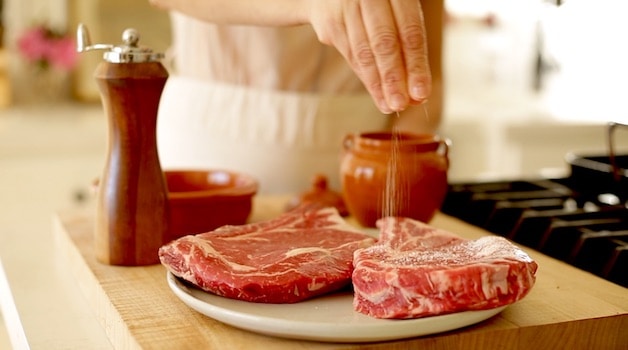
[{"x": 281, "y": 138}]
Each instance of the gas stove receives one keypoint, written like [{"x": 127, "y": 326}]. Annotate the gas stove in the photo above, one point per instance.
[{"x": 566, "y": 218}]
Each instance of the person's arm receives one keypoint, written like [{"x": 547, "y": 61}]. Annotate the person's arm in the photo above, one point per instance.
[
  {"x": 244, "y": 12},
  {"x": 382, "y": 40}
]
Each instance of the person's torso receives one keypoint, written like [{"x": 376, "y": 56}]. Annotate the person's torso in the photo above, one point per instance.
[{"x": 280, "y": 58}]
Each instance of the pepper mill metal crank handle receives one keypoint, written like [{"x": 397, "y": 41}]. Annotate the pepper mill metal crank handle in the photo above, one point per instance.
[
  {"x": 84, "y": 42},
  {"x": 128, "y": 52}
]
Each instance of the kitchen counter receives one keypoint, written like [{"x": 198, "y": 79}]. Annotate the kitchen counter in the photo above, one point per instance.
[
  {"x": 50, "y": 155},
  {"x": 567, "y": 308}
]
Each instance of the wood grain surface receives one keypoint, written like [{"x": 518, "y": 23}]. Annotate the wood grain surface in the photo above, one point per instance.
[{"x": 567, "y": 308}]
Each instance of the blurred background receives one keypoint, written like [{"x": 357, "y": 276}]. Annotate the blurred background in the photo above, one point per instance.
[{"x": 527, "y": 81}]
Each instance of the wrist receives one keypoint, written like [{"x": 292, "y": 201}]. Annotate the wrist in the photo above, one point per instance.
[{"x": 290, "y": 12}]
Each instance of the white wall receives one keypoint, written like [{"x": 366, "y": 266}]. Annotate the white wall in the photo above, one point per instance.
[{"x": 499, "y": 125}]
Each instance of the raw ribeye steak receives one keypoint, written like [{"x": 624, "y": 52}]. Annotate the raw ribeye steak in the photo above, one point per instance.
[
  {"x": 416, "y": 270},
  {"x": 298, "y": 255}
]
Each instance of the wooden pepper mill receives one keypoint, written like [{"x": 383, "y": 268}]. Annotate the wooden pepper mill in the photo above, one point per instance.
[{"x": 132, "y": 209}]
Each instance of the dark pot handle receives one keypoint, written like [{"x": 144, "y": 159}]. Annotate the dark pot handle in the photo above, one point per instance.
[{"x": 611, "y": 150}]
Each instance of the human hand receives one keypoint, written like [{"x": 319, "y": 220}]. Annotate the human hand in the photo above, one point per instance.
[{"x": 384, "y": 43}]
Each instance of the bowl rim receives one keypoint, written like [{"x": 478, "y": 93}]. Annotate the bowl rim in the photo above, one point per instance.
[{"x": 248, "y": 187}]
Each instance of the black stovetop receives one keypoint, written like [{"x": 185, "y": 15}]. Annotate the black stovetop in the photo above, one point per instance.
[{"x": 586, "y": 230}]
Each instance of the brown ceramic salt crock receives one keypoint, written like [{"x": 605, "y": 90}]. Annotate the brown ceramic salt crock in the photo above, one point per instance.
[{"x": 417, "y": 181}]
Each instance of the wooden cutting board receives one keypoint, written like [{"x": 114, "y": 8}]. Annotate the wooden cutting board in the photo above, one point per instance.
[{"x": 567, "y": 308}]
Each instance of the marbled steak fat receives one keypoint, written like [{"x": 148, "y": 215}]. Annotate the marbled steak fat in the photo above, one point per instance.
[
  {"x": 416, "y": 270},
  {"x": 300, "y": 254}
]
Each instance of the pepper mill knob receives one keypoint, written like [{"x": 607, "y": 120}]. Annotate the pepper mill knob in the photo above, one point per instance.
[{"x": 131, "y": 37}]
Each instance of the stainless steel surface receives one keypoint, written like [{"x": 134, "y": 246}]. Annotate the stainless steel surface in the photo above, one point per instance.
[
  {"x": 84, "y": 41},
  {"x": 611, "y": 150}
]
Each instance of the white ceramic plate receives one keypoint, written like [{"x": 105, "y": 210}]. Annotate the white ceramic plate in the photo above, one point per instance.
[{"x": 329, "y": 318}]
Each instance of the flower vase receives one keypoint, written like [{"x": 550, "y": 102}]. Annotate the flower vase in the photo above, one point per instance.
[{"x": 46, "y": 86}]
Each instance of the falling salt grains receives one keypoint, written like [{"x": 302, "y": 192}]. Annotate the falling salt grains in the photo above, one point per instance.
[
  {"x": 391, "y": 190},
  {"x": 396, "y": 190}
]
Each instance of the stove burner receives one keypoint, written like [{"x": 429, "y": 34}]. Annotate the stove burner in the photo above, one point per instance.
[{"x": 585, "y": 230}]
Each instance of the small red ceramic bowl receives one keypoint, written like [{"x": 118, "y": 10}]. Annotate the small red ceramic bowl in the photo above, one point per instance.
[{"x": 203, "y": 200}]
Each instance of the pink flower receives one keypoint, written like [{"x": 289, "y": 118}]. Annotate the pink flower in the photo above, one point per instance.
[
  {"x": 46, "y": 48},
  {"x": 63, "y": 53},
  {"x": 33, "y": 44}
]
